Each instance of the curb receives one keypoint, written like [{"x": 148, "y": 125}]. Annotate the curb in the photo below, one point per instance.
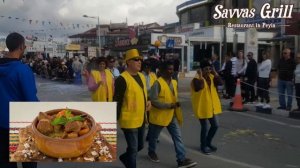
[{"x": 271, "y": 111}]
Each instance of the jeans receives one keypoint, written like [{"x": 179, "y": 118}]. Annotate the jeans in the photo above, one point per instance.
[
  {"x": 288, "y": 86},
  {"x": 205, "y": 137},
  {"x": 135, "y": 143},
  {"x": 78, "y": 79},
  {"x": 174, "y": 131},
  {"x": 4, "y": 153}
]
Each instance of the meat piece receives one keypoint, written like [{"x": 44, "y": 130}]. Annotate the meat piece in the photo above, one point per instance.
[
  {"x": 83, "y": 131},
  {"x": 74, "y": 126},
  {"x": 45, "y": 127},
  {"x": 43, "y": 115},
  {"x": 72, "y": 135},
  {"x": 57, "y": 128},
  {"x": 84, "y": 124}
]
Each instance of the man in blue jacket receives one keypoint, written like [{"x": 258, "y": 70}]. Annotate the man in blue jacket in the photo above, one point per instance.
[{"x": 17, "y": 84}]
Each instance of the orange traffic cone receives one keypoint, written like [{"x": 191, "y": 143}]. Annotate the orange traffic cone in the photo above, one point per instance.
[{"x": 238, "y": 100}]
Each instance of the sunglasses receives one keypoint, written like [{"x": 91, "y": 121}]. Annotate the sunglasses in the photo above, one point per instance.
[{"x": 137, "y": 59}]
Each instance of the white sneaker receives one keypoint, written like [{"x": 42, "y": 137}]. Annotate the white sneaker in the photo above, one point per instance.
[
  {"x": 259, "y": 105},
  {"x": 266, "y": 106}
]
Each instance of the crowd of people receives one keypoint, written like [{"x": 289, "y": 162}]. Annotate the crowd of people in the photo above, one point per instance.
[{"x": 258, "y": 75}]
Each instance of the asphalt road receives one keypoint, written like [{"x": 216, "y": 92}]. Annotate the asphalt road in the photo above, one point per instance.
[{"x": 247, "y": 139}]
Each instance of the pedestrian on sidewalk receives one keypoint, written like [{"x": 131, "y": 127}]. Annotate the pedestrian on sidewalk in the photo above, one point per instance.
[
  {"x": 166, "y": 112},
  {"x": 250, "y": 79},
  {"x": 132, "y": 103},
  {"x": 228, "y": 77},
  {"x": 206, "y": 104},
  {"x": 231, "y": 76},
  {"x": 101, "y": 82},
  {"x": 297, "y": 81},
  {"x": 286, "y": 69},
  {"x": 241, "y": 66},
  {"x": 77, "y": 68},
  {"x": 17, "y": 84},
  {"x": 263, "y": 81}
]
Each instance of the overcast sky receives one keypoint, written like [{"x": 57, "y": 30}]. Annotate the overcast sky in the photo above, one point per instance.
[{"x": 65, "y": 15}]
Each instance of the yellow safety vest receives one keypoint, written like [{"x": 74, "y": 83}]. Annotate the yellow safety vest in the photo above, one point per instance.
[
  {"x": 133, "y": 107},
  {"x": 206, "y": 102},
  {"x": 163, "y": 117},
  {"x": 104, "y": 93}
]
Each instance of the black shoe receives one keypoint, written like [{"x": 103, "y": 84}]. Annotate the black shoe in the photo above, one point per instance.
[
  {"x": 153, "y": 157},
  {"x": 186, "y": 163},
  {"x": 212, "y": 148},
  {"x": 124, "y": 160},
  {"x": 288, "y": 108},
  {"x": 206, "y": 151}
]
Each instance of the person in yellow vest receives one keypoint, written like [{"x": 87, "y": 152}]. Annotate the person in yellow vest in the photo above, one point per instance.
[
  {"x": 206, "y": 104},
  {"x": 150, "y": 79},
  {"x": 132, "y": 103},
  {"x": 166, "y": 112},
  {"x": 101, "y": 82}
]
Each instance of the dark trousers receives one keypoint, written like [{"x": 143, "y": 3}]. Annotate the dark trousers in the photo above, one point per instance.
[
  {"x": 230, "y": 82},
  {"x": 297, "y": 87},
  {"x": 263, "y": 93},
  {"x": 135, "y": 143},
  {"x": 249, "y": 90},
  {"x": 4, "y": 152},
  {"x": 206, "y": 138}
]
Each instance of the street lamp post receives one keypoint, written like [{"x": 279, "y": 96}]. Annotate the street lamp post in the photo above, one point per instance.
[{"x": 99, "y": 33}]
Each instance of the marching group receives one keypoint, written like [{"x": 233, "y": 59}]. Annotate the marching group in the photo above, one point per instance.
[{"x": 147, "y": 98}]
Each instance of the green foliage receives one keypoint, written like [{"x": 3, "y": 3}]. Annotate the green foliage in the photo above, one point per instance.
[{"x": 63, "y": 120}]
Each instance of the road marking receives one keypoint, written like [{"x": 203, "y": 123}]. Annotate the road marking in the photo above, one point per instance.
[
  {"x": 269, "y": 120},
  {"x": 195, "y": 152}
]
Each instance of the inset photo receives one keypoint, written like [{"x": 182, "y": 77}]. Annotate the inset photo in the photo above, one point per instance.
[{"x": 63, "y": 132}]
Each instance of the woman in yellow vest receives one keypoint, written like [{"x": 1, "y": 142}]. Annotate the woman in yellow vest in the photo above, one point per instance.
[
  {"x": 206, "y": 103},
  {"x": 101, "y": 82},
  {"x": 166, "y": 112}
]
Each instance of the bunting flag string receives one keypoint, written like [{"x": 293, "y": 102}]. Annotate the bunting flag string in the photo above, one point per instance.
[
  {"x": 38, "y": 27},
  {"x": 51, "y": 23}
]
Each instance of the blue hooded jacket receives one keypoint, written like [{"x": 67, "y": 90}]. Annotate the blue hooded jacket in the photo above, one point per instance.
[{"x": 17, "y": 84}]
